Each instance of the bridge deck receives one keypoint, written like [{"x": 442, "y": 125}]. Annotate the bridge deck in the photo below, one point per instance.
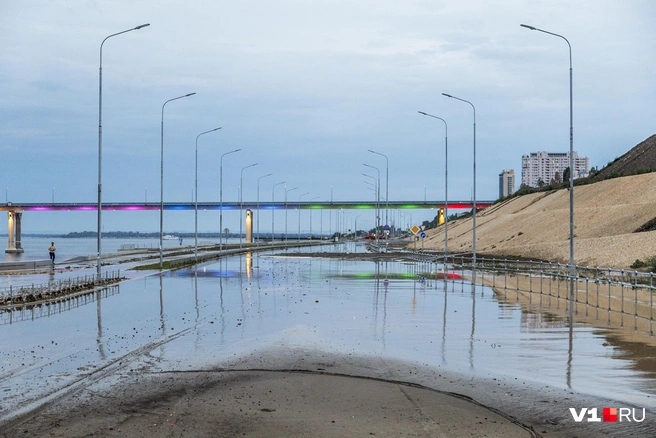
[{"x": 290, "y": 205}]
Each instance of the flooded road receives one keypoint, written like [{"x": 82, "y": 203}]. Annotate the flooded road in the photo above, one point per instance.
[{"x": 239, "y": 310}]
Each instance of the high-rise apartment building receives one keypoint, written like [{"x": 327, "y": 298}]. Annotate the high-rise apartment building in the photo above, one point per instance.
[
  {"x": 506, "y": 183},
  {"x": 545, "y": 167}
]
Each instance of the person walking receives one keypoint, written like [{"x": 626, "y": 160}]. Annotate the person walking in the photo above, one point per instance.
[{"x": 52, "y": 250}]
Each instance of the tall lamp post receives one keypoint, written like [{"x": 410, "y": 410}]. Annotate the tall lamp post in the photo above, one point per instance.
[
  {"x": 273, "y": 233},
  {"x": 446, "y": 184},
  {"x": 386, "y": 182},
  {"x": 258, "y": 206},
  {"x": 316, "y": 197},
  {"x": 571, "y": 162},
  {"x": 196, "y": 196},
  {"x": 299, "y": 214},
  {"x": 241, "y": 199},
  {"x": 330, "y": 214},
  {"x": 474, "y": 190},
  {"x": 287, "y": 191},
  {"x": 221, "y": 198},
  {"x": 161, "y": 183},
  {"x": 377, "y": 197},
  {"x": 100, "y": 141}
]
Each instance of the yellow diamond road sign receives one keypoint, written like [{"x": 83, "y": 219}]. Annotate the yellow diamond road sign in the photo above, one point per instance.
[{"x": 414, "y": 229}]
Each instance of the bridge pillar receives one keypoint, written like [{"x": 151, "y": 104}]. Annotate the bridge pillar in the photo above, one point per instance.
[
  {"x": 14, "y": 226},
  {"x": 18, "y": 219},
  {"x": 249, "y": 226}
]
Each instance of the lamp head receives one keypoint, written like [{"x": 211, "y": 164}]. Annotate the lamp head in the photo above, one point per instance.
[
  {"x": 421, "y": 112},
  {"x": 447, "y": 95},
  {"x": 190, "y": 94},
  {"x": 141, "y": 26},
  {"x": 528, "y": 27}
]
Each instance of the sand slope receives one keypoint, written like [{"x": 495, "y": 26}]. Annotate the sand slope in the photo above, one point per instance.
[{"x": 606, "y": 214}]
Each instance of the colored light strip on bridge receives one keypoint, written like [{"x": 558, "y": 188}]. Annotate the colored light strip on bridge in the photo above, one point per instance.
[{"x": 236, "y": 206}]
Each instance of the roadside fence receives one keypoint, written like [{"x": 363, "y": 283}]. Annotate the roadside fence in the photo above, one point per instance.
[
  {"x": 12, "y": 296},
  {"x": 621, "y": 297}
]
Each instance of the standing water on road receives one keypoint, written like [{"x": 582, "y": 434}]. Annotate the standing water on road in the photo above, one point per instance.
[{"x": 199, "y": 317}]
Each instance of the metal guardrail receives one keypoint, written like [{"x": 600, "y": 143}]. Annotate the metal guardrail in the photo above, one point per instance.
[{"x": 619, "y": 293}]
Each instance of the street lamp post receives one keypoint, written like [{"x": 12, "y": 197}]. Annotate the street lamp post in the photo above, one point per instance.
[
  {"x": 196, "y": 196},
  {"x": 273, "y": 233},
  {"x": 375, "y": 189},
  {"x": 221, "y": 198},
  {"x": 446, "y": 184},
  {"x": 241, "y": 203},
  {"x": 161, "y": 183},
  {"x": 258, "y": 206},
  {"x": 330, "y": 214},
  {"x": 474, "y": 190},
  {"x": 571, "y": 161},
  {"x": 386, "y": 183},
  {"x": 377, "y": 197},
  {"x": 299, "y": 214},
  {"x": 287, "y": 191},
  {"x": 311, "y": 209},
  {"x": 100, "y": 142}
]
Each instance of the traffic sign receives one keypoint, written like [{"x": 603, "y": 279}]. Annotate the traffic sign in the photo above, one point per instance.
[
  {"x": 422, "y": 235},
  {"x": 414, "y": 229},
  {"x": 386, "y": 227}
]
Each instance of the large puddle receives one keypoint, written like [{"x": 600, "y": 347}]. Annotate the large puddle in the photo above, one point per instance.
[{"x": 386, "y": 309}]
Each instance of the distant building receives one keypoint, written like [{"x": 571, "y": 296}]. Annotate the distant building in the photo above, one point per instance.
[
  {"x": 541, "y": 168},
  {"x": 506, "y": 183}
]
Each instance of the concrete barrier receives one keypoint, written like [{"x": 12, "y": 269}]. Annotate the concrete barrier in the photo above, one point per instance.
[{"x": 25, "y": 265}]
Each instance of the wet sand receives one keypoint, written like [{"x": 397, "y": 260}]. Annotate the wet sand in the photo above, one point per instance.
[
  {"x": 268, "y": 404},
  {"x": 309, "y": 393}
]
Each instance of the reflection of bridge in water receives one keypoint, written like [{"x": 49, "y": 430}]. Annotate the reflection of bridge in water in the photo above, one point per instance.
[{"x": 15, "y": 211}]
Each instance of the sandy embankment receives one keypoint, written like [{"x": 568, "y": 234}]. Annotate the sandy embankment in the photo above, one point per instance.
[{"x": 536, "y": 226}]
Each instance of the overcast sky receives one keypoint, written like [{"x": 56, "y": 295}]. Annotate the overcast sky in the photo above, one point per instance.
[{"x": 304, "y": 88}]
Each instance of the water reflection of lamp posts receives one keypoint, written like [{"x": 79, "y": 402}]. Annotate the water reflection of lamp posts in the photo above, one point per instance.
[
  {"x": 196, "y": 196},
  {"x": 100, "y": 140},
  {"x": 287, "y": 191},
  {"x": 311, "y": 210},
  {"x": 299, "y": 214},
  {"x": 99, "y": 340},
  {"x": 241, "y": 203},
  {"x": 446, "y": 182},
  {"x": 273, "y": 233},
  {"x": 221, "y": 199},
  {"x": 473, "y": 192},
  {"x": 161, "y": 183}
]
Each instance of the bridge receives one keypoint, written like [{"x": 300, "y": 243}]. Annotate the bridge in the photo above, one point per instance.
[
  {"x": 289, "y": 205},
  {"x": 15, "y": 210}
]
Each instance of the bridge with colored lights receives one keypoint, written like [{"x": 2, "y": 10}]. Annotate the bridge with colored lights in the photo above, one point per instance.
[
  {"x": 289, "y": 205},
  {"x": 15, "y": 210}
]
